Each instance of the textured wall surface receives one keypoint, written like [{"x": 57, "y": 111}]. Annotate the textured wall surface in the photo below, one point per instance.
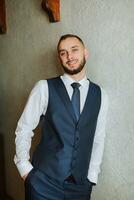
[{"x": 27, "y": 54}]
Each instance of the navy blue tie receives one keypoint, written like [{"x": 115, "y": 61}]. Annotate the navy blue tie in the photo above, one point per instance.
[{"x": 76, "y": 99}]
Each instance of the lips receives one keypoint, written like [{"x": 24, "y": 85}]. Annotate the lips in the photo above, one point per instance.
[{"x": 72, "y": 62}]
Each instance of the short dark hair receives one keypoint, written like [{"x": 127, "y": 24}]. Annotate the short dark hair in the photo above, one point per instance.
[{"x": 63, "y": 37}]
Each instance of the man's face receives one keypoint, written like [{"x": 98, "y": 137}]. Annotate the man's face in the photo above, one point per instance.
[{"x": 72, "y": 55}]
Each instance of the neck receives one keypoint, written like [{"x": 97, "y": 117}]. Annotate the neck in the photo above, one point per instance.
[{"x": 79, "y": 76}]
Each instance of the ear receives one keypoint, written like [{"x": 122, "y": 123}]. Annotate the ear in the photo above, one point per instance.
[{"x": 86, "y": 53}]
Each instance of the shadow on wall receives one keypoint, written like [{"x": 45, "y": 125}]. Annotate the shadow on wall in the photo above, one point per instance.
[{"x": 3, "y": 195}]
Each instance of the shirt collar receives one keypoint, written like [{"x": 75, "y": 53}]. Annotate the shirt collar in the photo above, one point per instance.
[{"x": 68, "y": 80}]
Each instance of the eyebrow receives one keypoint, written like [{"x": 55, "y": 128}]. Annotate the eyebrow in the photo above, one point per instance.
[
  {"x": 61, "y": 50},
  {"x": 71, "y": 48},
  {"x": 74, "y": 46}
]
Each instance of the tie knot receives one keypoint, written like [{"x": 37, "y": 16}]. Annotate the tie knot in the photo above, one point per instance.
[{"x": 75, "y": 85}]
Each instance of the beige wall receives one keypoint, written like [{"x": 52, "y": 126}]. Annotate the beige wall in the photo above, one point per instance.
[{"x": 27, "y": 54}]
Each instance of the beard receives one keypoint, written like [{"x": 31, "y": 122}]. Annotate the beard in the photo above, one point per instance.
[{"x": 77, "y": 70}]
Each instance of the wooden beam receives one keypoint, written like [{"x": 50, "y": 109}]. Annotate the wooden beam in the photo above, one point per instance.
[
  {"x": 52, "y": 7},
  {"x": 3, "y": 194},
  {"x": 3, "y": 28}
]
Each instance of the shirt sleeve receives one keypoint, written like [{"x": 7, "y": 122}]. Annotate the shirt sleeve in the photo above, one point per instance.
[
  {"x": 98, "y": 145},
  {"x": 35, "y": 107}
]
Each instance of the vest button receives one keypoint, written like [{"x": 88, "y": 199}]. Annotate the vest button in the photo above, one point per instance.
[
  {"x": 75, "y": 148},
  {"x": 76, "y": 143},
  {"x": 74, "y": 160},
  {"x": 75, "y": 153},
  {"x": 73, "y": 164},
  {"x": 77, "y": 128}
]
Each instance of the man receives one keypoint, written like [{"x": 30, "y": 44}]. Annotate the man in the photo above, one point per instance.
[{"x": 66, "y": 162}]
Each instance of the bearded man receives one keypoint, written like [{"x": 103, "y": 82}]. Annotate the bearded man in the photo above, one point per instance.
[{"x": 66, "y": 162}]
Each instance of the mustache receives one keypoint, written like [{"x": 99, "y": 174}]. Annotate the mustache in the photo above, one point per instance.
[{"x": 71, "y": 61}]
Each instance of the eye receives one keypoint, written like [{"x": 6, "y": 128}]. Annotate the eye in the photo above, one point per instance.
[
  {"x": 74, "y": 50},
  {"x": 62, "y": 53}
]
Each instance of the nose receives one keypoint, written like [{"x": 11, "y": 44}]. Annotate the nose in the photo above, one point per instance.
[{"x": 69, "y": 56}]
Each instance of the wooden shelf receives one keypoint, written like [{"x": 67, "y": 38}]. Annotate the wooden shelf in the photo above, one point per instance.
[
  {"x": 52, "y": 7},
  {"x": 3, "y": 28}
]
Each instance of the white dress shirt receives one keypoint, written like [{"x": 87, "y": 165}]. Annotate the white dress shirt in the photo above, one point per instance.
[{"x": 37, "y": 105}]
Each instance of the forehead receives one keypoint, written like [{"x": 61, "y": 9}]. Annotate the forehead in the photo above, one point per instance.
[{"x": 69, "y": 43}]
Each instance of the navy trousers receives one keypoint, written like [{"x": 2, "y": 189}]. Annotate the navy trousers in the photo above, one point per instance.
[{"x": 39, "y": 186}]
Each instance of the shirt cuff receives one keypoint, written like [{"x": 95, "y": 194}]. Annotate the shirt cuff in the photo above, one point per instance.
[
  {"x": 24, "y": 168},
  {"x": 93, "y": 177}
]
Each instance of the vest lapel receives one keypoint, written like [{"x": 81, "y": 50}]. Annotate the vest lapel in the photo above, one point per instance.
[{"x": 62, "y": 93}]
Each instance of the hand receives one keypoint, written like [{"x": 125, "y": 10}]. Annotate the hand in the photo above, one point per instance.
[
  {"x": 93, "y": 183},
  {"x": 25, "y": 176}
]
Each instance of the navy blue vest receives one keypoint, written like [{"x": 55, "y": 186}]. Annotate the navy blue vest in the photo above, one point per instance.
[{"x": 66, "y": 145}]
